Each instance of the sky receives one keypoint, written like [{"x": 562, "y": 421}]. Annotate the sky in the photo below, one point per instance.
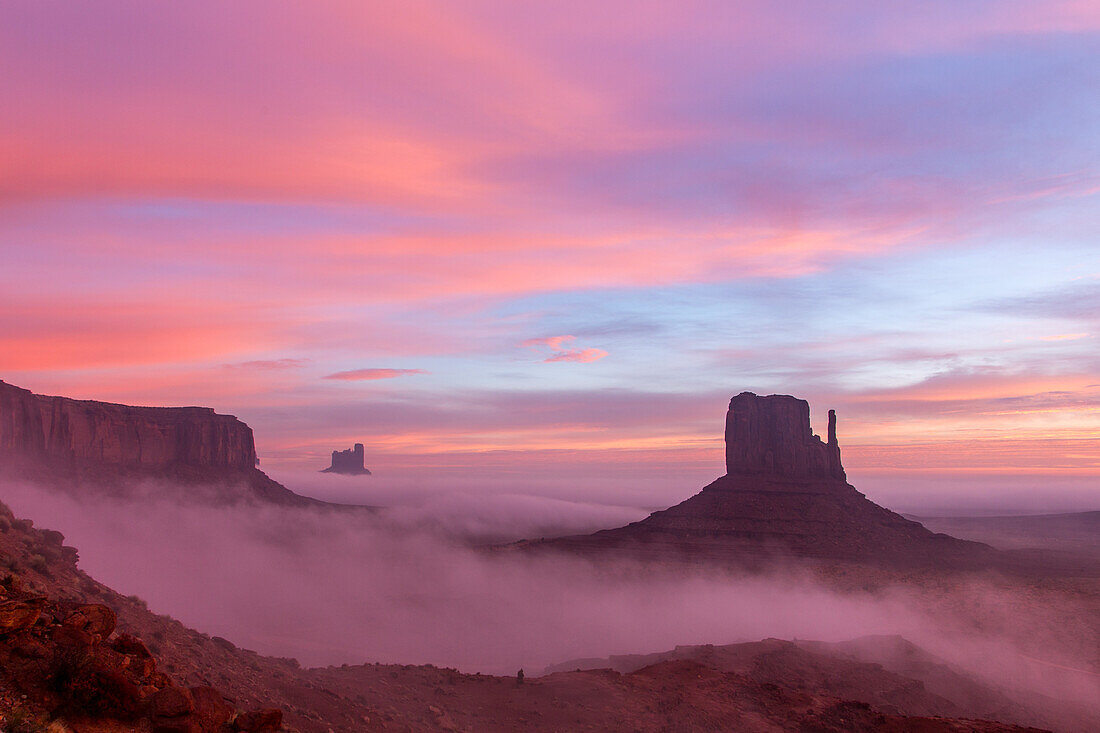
[{"x": 547, "y": 241}]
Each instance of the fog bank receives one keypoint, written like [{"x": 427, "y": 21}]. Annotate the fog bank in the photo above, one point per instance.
[
  {"x": 927, "y": 493},
  {"x": 401, "y": 587}
]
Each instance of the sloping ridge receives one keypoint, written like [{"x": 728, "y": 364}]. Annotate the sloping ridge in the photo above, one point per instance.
[
  {"x": 784, "y": 492},
  {"x": 82, "y": 443}
]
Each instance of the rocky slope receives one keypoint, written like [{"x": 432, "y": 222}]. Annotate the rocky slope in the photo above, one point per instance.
[
  {"x": 151, "y": 673},
  {"x": 81, "y": 444},
  {"x": 889, "y": 673},
  {"x": 784, "y": 493},
  {"x": 63, "y": 666}
]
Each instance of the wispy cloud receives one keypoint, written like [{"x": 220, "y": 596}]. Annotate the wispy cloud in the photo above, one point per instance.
[
  {"x": 269, "y": 364},
  {"x": 557, "y": 344},
  {"x": 1065, "y": 337},
  {"x": 821, "y": 216},
  {"x": 366, "y": 375},
  {"x": 578, "y": 355},
  {"x": 554, "y": 342}
]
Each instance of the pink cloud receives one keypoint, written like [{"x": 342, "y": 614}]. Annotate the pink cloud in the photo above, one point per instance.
[
  {"x": 554, "y": 342},
  {"x": 580, "y": 355},
  {"x": 561, "y": 353},
  {"x": 130, "y": 330},
  {"x": 267, "y": 364},
  {"x": 365, "y": 375},
  {"x": 1064, "y": 337}
]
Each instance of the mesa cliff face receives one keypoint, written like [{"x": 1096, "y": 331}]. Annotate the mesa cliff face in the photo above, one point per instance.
[
  {"x": 71, "y": 444},
  {"x": 72, "y": 433},
  {"x": 772, "y": 436}
]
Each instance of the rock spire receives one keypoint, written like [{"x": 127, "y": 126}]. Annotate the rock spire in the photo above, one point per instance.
[{"x": 348, "y": 462}]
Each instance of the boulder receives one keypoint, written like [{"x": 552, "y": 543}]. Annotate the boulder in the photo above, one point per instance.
[
  {"x": 93, "y": 618},
  {"x": 258, "y": 721},
  {"x": 172, "y": 702},
  {"x": 131, "y": 646},
  {"x": 52, "y": 537},
  {"x": 113, "y": 694},
  {"x": 210, "y": 707},
  {"x": 71, "y": 637},
  {"x": 20, "y": 614}
]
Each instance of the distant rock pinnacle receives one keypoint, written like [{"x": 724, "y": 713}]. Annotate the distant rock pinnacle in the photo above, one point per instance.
[{"x": 348, "y": 462}]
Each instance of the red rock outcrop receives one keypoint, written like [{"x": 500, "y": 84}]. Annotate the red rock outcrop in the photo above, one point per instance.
[
  {"x": 772, "y": 436},
  {"x": 70, "y": 433},
  {"x": 61, "y": 670},
  {"x": 348, "y": 462},
  {"x": 784, "y": 493},
  {"x": 81, "y": 444}
]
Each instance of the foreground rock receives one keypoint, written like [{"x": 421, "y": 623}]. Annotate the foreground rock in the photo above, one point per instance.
[
  {"x": 60, "y": 665},
  {"x": 887, "y": 672}
]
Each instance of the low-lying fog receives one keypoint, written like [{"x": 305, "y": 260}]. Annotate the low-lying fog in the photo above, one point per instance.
[
  {"x": 402, "y": 587},
  {"x": 924, "y": 493}
]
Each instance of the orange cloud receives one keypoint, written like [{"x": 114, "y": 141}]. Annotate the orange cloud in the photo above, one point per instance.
[
  {"x": 554, "y": 342},
  {"x": 1008, "y": 455},
  {"x": 578, "y": 355}
]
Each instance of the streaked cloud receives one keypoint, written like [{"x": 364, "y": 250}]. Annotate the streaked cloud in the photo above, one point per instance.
[
  {"x": 891, "y": 212},
  {"x": 558, "y": 345},
  {"x": 267, "y": 364},
  {"x": 579, "y": 355},
  {"x": 1064, "y": 337},
  {"x": 366, "y": 375}
]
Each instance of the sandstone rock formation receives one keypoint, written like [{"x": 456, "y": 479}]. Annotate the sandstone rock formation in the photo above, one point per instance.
[
  {"x": 71, "y": 432},
  {"x": 771, "y": 436},
  {"x": 348, "y": 462},
  {"x": 785, "y": 492},
  {"x": 80, "y": 442}
]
